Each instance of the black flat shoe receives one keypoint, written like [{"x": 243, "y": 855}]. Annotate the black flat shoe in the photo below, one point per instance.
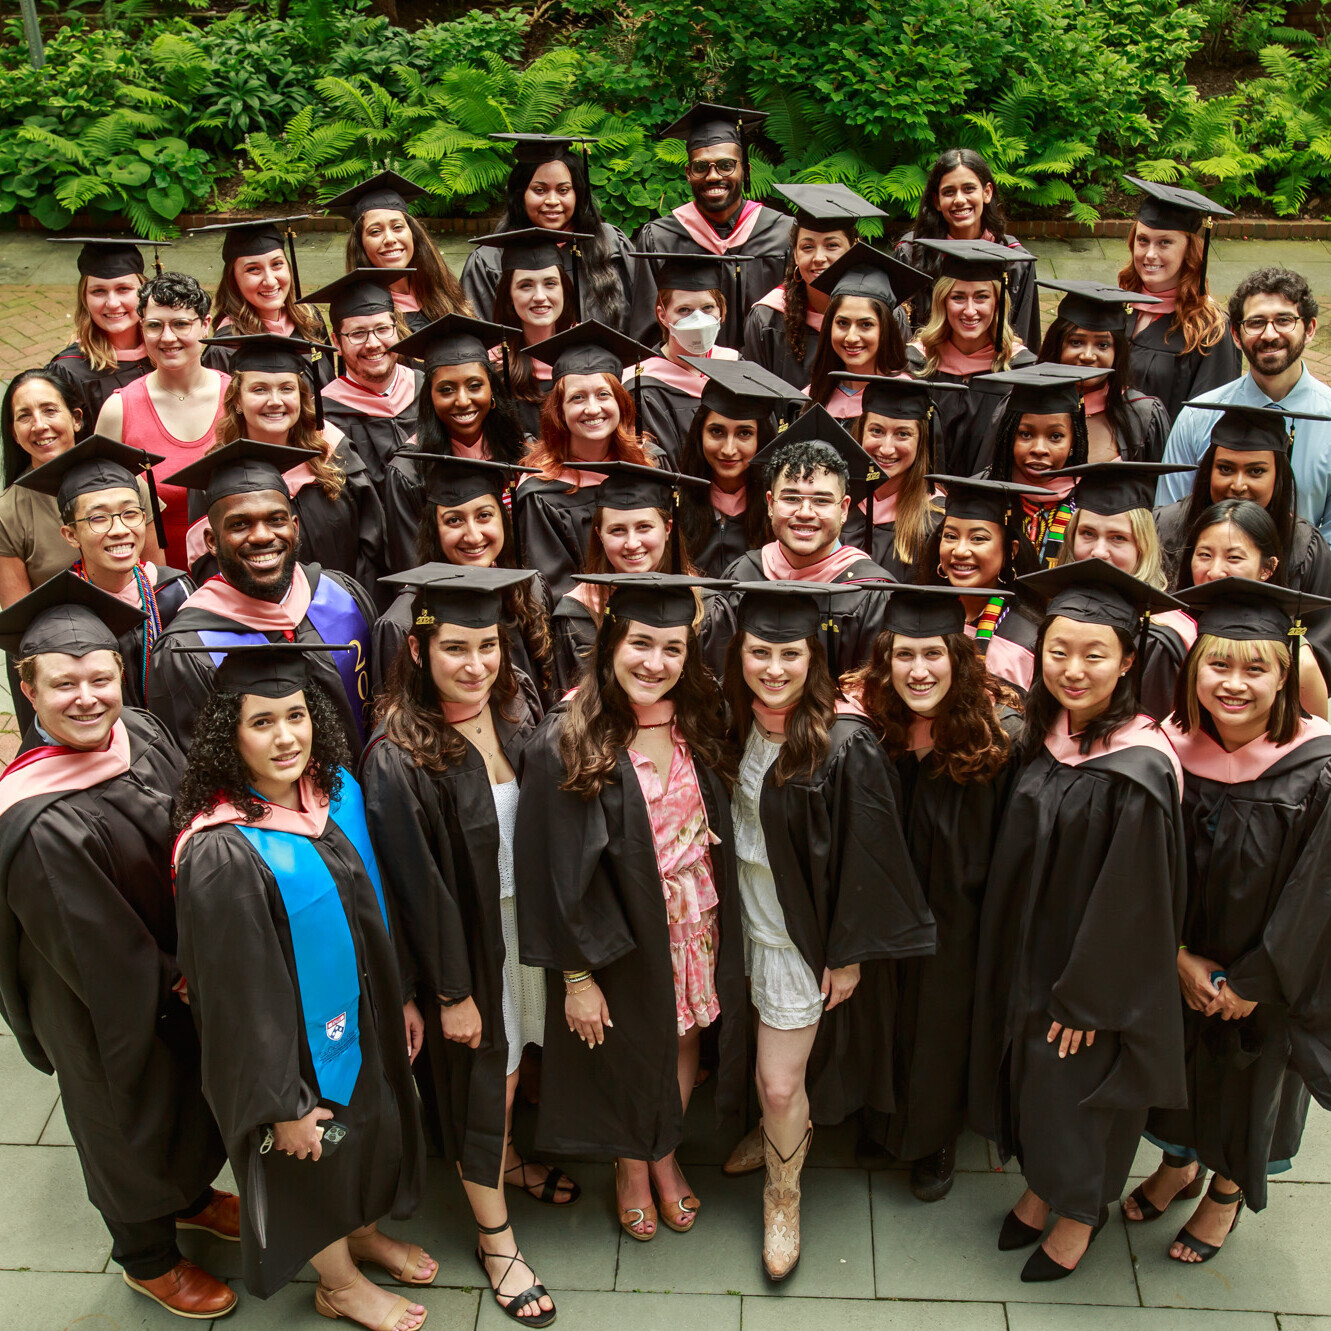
[
  {"x": 514, "y": 1305},
  {"x": 931, "y": 1177},
  {"x": 1203, "y": 1249},
  {"x": 1041, "y": 1267},
  {"x": 1017, "y": 1233}
]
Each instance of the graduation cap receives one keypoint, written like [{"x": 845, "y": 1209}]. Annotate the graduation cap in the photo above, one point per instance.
[
  {"x": 66, "y": 614},
  {"x": 929, "y": 612},
  {"x": 980, "y": 261},
  {"x": 1170, "y": 208},
  {"x": 780, "y": 612},
  {"x": 1096, "y": 306},
  {"x": 533, "y": 149},
  {"x": 271, "y": 353},
  {"x": 244, "y": 466},
  {"x": 1245, "y": 610},
  {"x": 386, "y": 190},
  {"x": 629, "y": 486},
  {"x": 741, "y": 390},
  {"x": 462, "y": 594},
  {"x": 1094, "y": 591},
  {"x": 689, "y": 271},
  {"x": 111, "y": 256},
  {"x": 534, "y": 247},
  {"x": 457, "y": 339},
  {"x": 452, "y": 481},
  {"x": 243, "y": 240},
  {"x": 706, "y": 124},
  {"x": 818, "y": 426},
  {"x": 98, "y": 463},
  {"x": 1110, "y": 488},
  {"x": 897, "y": 397},
  {"x": 592, "y": 347},
  {"x": 1253, "y": 429},
  {"x": 361, "y": 291},
  {"x": 265, "y": 669},
  {"x": 1043, "y": 389},
  {"x": 828, "y": 207},
  {"x": 659, "y": 600},
  {"x": 865, "y": 271},
  {"x": 975, "y": 499}
]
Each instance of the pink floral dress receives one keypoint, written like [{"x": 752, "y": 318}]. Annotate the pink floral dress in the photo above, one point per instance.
[{"x": 682, "y": 837}]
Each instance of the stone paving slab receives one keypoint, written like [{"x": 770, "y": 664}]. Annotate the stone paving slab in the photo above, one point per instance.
[
  {"x": 27, "y": 1097},
  {"x": 46, "y": 1223},
  {"x": 631, "y": 1312},
  {"x": 847, "y": 1315}
]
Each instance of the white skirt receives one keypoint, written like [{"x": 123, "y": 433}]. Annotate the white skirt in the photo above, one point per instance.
[
  {"x": 524, "y": 992},
  {"x": 783, "y": 987}
]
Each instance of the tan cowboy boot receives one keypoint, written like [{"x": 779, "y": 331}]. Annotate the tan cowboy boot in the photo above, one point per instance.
[
  {"x": 781, "y": 1207},
  {"x": 748, "y": 1156}
]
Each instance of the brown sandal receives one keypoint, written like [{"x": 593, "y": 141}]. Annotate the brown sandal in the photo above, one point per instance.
[
  {"x": 409, "y": 1273},
  {"x": 636, "y": 1215},
  {"x": 394, "y": 1315},
  {"x": 680, "y": 1215}
]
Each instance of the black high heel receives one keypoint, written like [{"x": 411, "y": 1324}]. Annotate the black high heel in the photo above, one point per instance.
[
  {"x": 1148, "y": 1209},
  {"x": 1041, "y": 1267},
  {"x": 1205, "y": 1250},
  {"x": 1016, "y": 1233}
]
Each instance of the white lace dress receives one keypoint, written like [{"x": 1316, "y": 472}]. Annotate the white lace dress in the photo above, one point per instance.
[
  {"x": 784, "y": 988},
  {"x": 524, "y": 986}
]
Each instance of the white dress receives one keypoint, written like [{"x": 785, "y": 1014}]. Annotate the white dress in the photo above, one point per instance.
[
  {"x": 784, "y": 988},
  {"x": 524, "y": 986}
]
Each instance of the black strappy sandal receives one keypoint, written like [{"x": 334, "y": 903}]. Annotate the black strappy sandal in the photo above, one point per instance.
[
  {"x": 517, "y": 1302},
  {"x": 1205, "y": 1251},
  {"x": 546, "y": 1193},
  {"x": 1149, "y": 1210}
]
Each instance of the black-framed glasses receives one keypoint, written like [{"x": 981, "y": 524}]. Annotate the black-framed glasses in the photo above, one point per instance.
[
  {"x": 725, "y": 166},
  {"x": 1282, "y": 323},
  {"x": 382, "y": 332},
  {"x": 101, "y": 523}
]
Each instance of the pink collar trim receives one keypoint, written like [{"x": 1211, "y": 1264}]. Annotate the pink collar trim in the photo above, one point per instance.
[
  {"x": 921, "y": 734},
  {"x": 1183, "y": 624},
  {"x": 405, "y": 301},
  {"x": 681, "y": 377},
  {"x": 1096, "y": 401},
  {"x": 778, "y": 568},
  {"x": 400, "y": 395},
  {"x": 1140, "y": 732},
  {"x": 126, "y": 354},
  {"x": 1008, "y": 660},
  {"x": 308, "y": 821},
  {"x": 773, "y": 718},
  {"x": 884, "y": 507},
  {"x": 690, "y": 217},
  {"x": 54, "y": 769},
  {"x": 1062, "y": 486},
  {"x": 1168, "y": 303},
  {"x": 582, "y": 479},
  {"x": 590, "y": 595},
  {"x": 845, "y": 406},
  {"x": 731, "y": 503},
  {"x": 952, "y": 361},
  {"x": 283, "y": 325},
  {"x": 1202, "y": 756},
  {"x": 218, "y": 597},
  {"x": 656, "y": 713}
]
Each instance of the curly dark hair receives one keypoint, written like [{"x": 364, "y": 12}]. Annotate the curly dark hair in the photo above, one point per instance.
[
  {"x": 503, "y": 429},
  {"x": 1006, "y": 436},
  {"x": 176, "y": 291},
  {"x": 215, "y": 773},
  {"x": 804, "y": 457},
  {"x": 970, "y": 745},
  {"x": 1283, "y": 282}
]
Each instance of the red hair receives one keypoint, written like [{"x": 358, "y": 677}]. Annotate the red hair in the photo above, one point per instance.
[
  {"x": 550, "y": 451},
  {"x": 1196, "y": 315}
]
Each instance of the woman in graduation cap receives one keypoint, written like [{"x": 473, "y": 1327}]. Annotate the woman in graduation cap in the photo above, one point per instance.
[
  {"x": 781, "y": 329},
  {"x": 441, "y": 798},
  {"x": 296, "y": 991},
  {"x": 862, "y": 333},
  {"x": 946, "y": 724},
  {"x": 827, "y": 888},
  {"x": 588, "y": 416},
  {"x": 1088, "y": 331},
  {"x": 960, "y": 202},
  {"x": 259, "y": 292},
  {"x": 549, "y": 189},
  {"x": 969, "y": 332},
  {"x": 980, "y": 544},
  {"x": 1077, "y": 1029},
  {"x": 385, "y": 235},
  {"x": 626, "y": 890},
  {"x": 107, "y": 351},
  {"x": 270, "y": 399},
  {"x": 1181, "y": 345},
  {"x": 466, "y": 523},
  {"x": 1253, "y": 967}
]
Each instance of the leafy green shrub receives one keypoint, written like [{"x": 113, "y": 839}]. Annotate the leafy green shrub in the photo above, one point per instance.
[{"x": 481, "y": 33}]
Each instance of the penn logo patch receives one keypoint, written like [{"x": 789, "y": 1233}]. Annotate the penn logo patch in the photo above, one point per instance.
[{"x": 337, "y": 1027}]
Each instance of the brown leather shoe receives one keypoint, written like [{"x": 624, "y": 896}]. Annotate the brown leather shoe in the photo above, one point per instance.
[
  {"x": 220, "y": 1218},
  {"x": 188, "y": 1291}
]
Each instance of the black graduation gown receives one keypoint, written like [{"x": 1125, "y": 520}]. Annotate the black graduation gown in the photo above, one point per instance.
[
  {"x": 880, "y": 542},
  {"x": 403, "y": 492},
  {"x": 87, "y": 964},
  {"x": 667, "y": 413},
  {"x": 1080, "y": 924},
  {"x": 850, "y": 896},
  {"x": 325, "y": 369},
  {"x": 742, "y": 284},
  {"x": 554, "y": 524},
  {"x": 858, "y": 618},
  {"x": 171, "y": 587},
  {"x": 1258, "y": 852},
  {"x": 92, "y": 387},
  {"x": 950, "y": 830},
  {"x": 1162, "y": 661},
  {"x": 1161, "y": 368},
  {"x": 765, "y": 344},
  {"x": 236, "y": 950},
  {"x": 529, "y": 410},
  {"x": 437, "y": 838},
  {"x": 725, "y": 543},
  {"x": 374, "y": 438},
  {"x": 480, "y": 278},
  {"x": 180, "y": 682},
  {"x": 1148, "y": 428},
  {"x": 590, "y": 898}
]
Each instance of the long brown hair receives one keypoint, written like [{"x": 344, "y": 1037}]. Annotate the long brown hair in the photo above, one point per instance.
[
  {"x": 969, "y": 744},
  {"x": 914, "y": 499},
  {"x": 807, "y": 727},
  {"x": 229, "y": 306},
  {"x": 94, "y": 342},
  {"x": 331, "y": 478},
  {"x": 550, "y": 451},
  {"x": 409, "y": 707},
  {"x": 599, "y": 720},
  {"x": 521, "y": 376},
  {"x": 1196, "y": 315},
  {"x": 937, "y": 330},
  {"x": 796, "y": 315},
  {"x": 890, "y": 358},
  {"x": 436, "y": 290}
]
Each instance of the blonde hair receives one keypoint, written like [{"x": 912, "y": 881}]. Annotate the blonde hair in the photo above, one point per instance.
[
  {"x": 937, "y": 330},
  {"x": 1283, "y": 721},
  {"x": 1150, "y": 557},
  {"x": 94, "y": 342}
]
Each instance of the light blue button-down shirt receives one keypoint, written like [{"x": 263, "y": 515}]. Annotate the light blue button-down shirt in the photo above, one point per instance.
[{"x": 1310, "y": 455}]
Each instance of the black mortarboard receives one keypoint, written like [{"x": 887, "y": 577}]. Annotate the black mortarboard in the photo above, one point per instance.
[
  {"x": 455, "y": 340},
  {"x": 361, "y": 291},
  {"x": 66, "y": 614},
  {"x": 244, "y": 466},
  {"x": 741, "y": 390},
  {"x": 1043, "y": 389},
  {"x": 928, "y": 612},
  {"x": 629, "y": 485},
  {"x": 688, "y": 271},
  {"x": 659, "y": 600},
  {"x": 818, "y": 425},
  {"x": 110, "y": 256},
  {"x": 786, "y": 611},
  {"x": 828, "y": 207},
  {"x": 533, "y": 149},
  {"x": 591, "y": 347},
  {"x": 531, "y": 248},
  {"x": 1253, "y": 429},
  {"x": 1096, "y": 306},
  {"x": 451, "y": 481},
  {"x": 386, "y": 190},
  {"x": 978, "y": 500},
  {"x": 706, "y": 125},
  {"x": 1245, "y": 610},
  {"x": 268, "y": 353},
  {"x": 1094, "y": 591},
  {"x": 1110, "y": 488},
  {"x": 243, "y": 240},
  {"x": 897, "y": 397},
  {"x": 980, "y": 261},
  {"x": 265, "y": 669},
  {"x": 865, "y": 271},
  {"x": 1170, "y": 208},
  {"x": 460, "y": 594}
]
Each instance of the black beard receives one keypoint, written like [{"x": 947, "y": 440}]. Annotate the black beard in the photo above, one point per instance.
[
  {"x": 731, "y": 199},
  {"x": 237, "y": 573},
  {"x": 1293, "y": 352}
]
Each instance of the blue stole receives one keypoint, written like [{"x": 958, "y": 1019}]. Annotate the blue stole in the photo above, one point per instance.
[{"x": 327, "y": 972}]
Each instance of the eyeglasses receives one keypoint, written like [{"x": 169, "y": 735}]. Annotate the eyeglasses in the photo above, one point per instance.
[
  {"x": 793, "y": 503},
  {"x": 101, "y": 523},
  {"x": 180, "y": 327},
  {"x": 725, "y": 166},
  {"x": 1283, "y": 323},
  {"x": 381, "y": 332}
]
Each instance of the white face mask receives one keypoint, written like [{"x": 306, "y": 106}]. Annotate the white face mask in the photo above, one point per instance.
[{"x": 697, "y": 332}]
